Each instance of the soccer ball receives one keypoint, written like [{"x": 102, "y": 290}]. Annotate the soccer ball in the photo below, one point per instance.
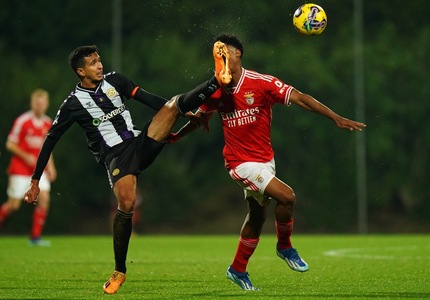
[{"x": 310, "y": 19}]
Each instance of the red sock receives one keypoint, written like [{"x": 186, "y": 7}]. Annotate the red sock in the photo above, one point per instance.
[
  {"x": 39, "y": 217},
  {"x": 4, "y": 213},
  {"x": 283, "y": 232},
  {"x": 244, "y": 251}
]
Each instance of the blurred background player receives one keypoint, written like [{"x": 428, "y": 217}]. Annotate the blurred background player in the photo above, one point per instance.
[
  {"x": 24, "y": 141},
  {"x": 245, "y": 107}
]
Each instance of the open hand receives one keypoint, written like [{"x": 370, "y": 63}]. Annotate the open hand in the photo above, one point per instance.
[{"x": 349, "y": 124}]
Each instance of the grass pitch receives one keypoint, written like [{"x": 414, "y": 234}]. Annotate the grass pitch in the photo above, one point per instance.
[{"x": 193, "y": 267}]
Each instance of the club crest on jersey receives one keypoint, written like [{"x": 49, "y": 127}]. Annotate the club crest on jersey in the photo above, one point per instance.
[
  {"x": 259, "y": 178},
  {"x": 249, "y": 98},
  {"x": 111, "y": 93},
  {"x": 115, "y": 172}
]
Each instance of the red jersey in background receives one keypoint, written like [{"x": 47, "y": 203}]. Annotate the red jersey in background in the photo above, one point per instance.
[{"x": 28, "y": 133}]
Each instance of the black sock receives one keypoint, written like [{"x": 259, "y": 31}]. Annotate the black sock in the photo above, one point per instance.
[
  {"x": 122, "y": 227},
  {"x": 197, "y": 96}
]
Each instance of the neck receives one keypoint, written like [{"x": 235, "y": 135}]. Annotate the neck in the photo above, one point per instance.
[
  {"x": 37, "y": 115},
  {"x": 88, "y": 83},
  {"x": 235, "y": 73}
]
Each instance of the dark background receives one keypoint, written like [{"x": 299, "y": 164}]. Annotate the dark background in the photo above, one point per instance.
[{"x": 166, "y": 49}]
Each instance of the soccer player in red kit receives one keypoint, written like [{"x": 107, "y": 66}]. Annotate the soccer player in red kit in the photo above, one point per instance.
[
  {"x": 24, "y": 142},
  {"x": 245, "y": 108}
]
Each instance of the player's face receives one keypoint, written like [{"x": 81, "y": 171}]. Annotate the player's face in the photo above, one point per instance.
[
  {"x": 39, "y": 105},
  {"x": 234, "y": 57},
  {"x": 92, "y": 72}
]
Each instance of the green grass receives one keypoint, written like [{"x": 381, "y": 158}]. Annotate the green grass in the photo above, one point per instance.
[{"x": 193, "y": 267}]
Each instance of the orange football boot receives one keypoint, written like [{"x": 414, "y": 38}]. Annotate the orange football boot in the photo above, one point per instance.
[
  {"x": 115, "y": 281},
  {"x": 222, "y": 70}
]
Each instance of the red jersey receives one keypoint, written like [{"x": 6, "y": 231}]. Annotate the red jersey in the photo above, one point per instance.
[
  {"x": 28, "y": 133},
  {"x": 246, "y": 116}
]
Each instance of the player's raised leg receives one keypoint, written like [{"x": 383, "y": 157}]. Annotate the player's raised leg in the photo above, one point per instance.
[{"x": 196, "y": 97}]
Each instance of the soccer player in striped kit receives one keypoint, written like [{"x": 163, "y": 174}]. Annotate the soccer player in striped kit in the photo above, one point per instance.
[
  {"x": 245, "y": 109},
  {"x": 24, "y": 142},
  {"x": 98, "y": 106}
]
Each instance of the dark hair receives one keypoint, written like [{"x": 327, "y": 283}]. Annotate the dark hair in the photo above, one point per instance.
[
  {"x": 77, "y": 56},
  {"x": 231, "y": 39}
]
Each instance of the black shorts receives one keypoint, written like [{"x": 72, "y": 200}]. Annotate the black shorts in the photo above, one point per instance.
[{"x": 131, "y": 156}]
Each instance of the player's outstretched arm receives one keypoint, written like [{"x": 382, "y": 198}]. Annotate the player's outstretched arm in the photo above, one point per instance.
[{"x": 307, "y": 102}]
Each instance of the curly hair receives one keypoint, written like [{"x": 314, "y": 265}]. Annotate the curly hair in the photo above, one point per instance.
[{"x": 231, "y": 39}]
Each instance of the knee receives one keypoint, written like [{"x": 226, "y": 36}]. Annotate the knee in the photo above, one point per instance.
[
  {"x": 172, "y": 104},
  {"x": 126, "y": 205},
  {"x": 288, "y": 197},
  {"x": 171, "y": 109},
  {"x": 126, "y": 200}
]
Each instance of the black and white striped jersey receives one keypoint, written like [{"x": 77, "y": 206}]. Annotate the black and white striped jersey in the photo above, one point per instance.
[{"x": 100, "y": 112}]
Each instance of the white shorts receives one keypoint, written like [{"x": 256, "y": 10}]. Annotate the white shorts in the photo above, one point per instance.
[
  {"x": 18, "y": 184},
  {"x": 254, "y": 178}
]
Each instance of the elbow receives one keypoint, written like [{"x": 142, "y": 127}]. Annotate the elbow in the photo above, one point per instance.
[{"x": 9, "y": 145}]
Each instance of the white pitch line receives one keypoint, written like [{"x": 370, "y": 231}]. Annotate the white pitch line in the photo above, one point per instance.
[{"x": 363, "y": 253}]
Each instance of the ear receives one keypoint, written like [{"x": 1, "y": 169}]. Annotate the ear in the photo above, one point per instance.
[{"x": 80, "y": 72}]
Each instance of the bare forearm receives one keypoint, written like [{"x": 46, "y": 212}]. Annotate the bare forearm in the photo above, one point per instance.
[{"x": 309, "y": 103}]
